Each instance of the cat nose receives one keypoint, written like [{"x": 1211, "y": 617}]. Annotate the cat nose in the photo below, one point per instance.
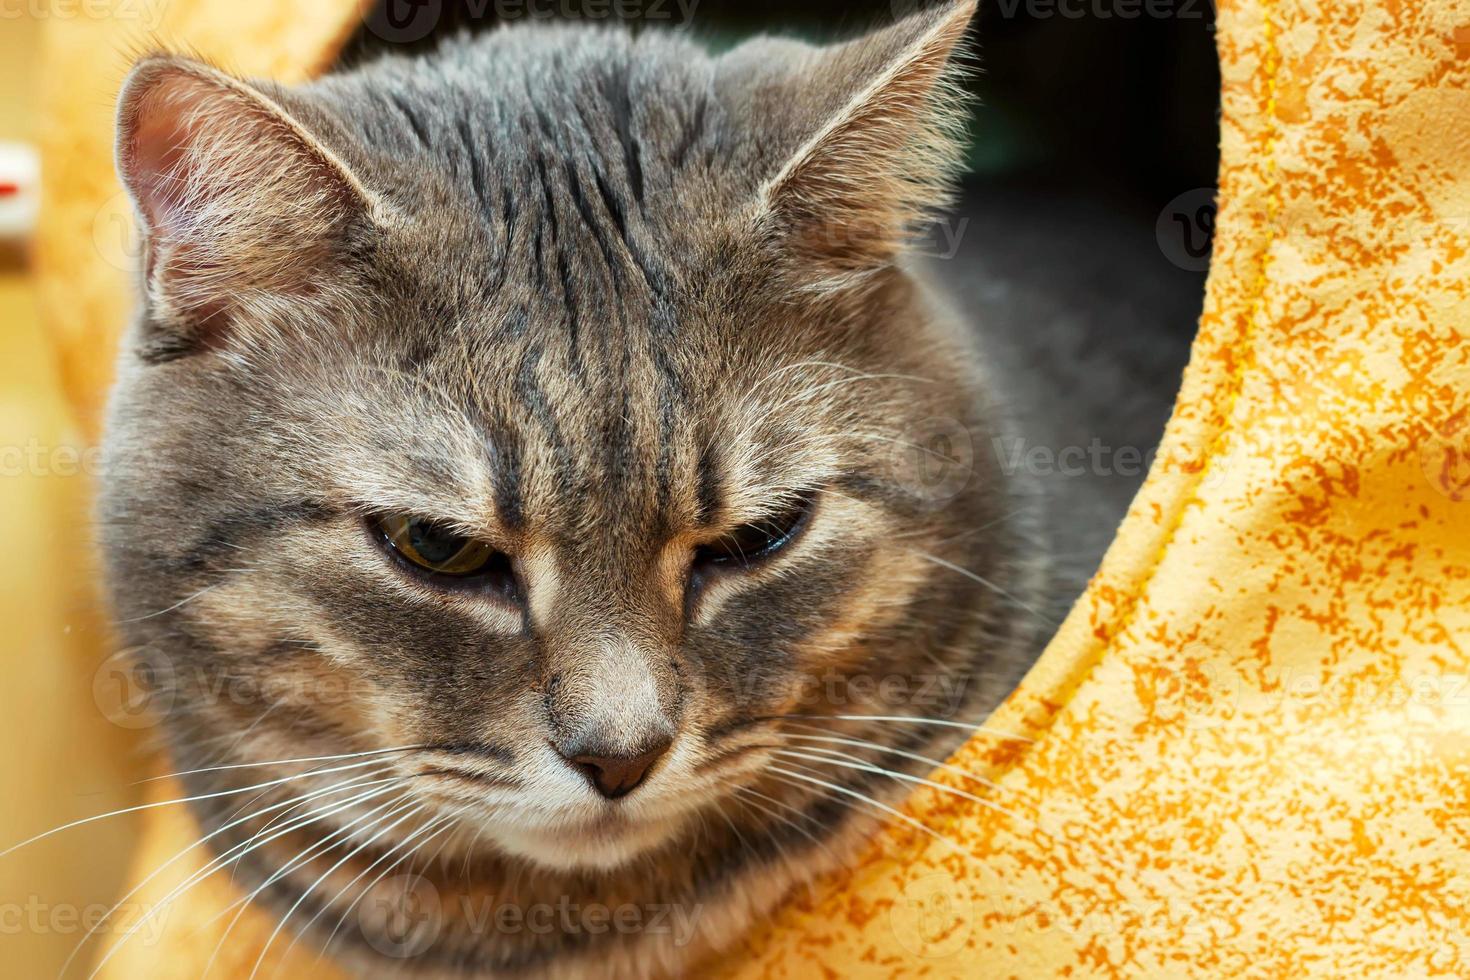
[{"x": 618, "y": 775}]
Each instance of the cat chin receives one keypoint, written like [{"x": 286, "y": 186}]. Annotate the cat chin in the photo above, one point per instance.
[{"x": 606, "y": 846}]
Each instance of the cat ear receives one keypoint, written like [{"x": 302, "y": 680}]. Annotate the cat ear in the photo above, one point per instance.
[
  {"x": 242, "y": 209},
  {"x": 878, "y": 138}
]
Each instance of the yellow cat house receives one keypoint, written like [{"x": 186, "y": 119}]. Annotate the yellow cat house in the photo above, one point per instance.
[{"x": 1247, "y": 750}]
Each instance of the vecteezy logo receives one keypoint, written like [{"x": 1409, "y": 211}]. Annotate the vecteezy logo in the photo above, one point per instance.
[
  {"x": 1186, "y": 229},
  {"x": 405, "y": 21},
  {"x": 932, "y": 917},
  {"x": 132, "y": 690},
  {"x": 115, "y": 234},
  {"x": 936, "y": 459},
  {"x": 1445, "y": 459},
  {"x": 403, "y": 917}
]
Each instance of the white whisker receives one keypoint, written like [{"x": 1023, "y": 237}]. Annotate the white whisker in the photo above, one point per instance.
[
  {"x": 306, "y": 854},
  {"x": 419, "y": 808},
  {"x": 240, "y": 905},
  {"x": 444, "y": 823},
  {"x": 893, "y": 774},
  {"x": 354, "y": 783},
  {"x": 916, "y": 720},
  {"x": 178, "y": 605},
  {"x": 220, "y": 862},
  {"x": 187, "y": 799},
  {"x": 880, "y": 747},
  {"x": 981, "y": 580},
  {"x": 916, "y": 824},
  {"x": 284, "y": 762}
]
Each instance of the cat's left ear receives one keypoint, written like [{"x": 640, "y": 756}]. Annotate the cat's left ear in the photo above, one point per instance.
[
  {"x": 244, "y": 212},
  {"x": 870, "y": 132}
]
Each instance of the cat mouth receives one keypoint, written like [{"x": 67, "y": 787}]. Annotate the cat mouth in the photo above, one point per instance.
[{"x": 600, "y": 841}]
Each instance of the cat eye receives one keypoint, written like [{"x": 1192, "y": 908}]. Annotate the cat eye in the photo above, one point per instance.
[
  {"x": 442, "y": 554},
  {"x": 757, "y": 541}
]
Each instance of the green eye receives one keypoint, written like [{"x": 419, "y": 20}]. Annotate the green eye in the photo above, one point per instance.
[{"x": 440, "y": 551}]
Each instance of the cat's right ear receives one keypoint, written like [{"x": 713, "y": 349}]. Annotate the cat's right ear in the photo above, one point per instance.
[{"x": 244, "y": 213}]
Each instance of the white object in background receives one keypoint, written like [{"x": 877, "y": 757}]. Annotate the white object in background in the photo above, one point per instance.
[{"x": 20, "y": 190}]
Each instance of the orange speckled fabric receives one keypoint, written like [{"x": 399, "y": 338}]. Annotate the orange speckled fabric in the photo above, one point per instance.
[{"x": 1249, "y": 745}]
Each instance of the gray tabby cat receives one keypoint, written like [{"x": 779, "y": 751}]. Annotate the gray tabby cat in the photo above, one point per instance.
[{"x": 549, "y": 441}]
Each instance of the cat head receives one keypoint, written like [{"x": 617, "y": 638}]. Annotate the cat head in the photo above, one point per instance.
[{"x": 545, "y": 417}]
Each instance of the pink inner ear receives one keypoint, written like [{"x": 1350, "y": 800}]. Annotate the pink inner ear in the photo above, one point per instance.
[
  {"x": 241, "y": 206},
  {"x": 163, "y": 138}
]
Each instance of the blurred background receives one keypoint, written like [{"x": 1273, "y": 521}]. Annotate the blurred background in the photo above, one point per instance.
[
  {"x": 1092, "y": 157},
  {"x": 62, "y": 758}
]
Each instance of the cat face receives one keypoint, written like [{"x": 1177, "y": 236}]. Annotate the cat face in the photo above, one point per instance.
[{"x": 548, "y": 443}]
